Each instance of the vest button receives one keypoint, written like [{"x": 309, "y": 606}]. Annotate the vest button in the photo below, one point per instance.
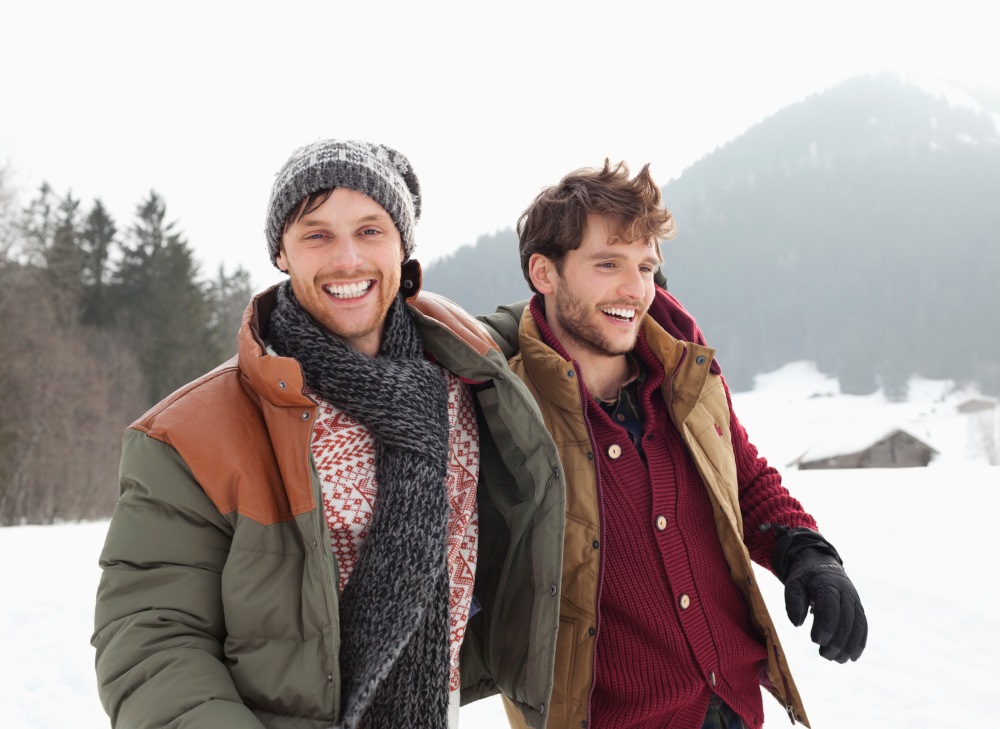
[
  {"x": 661, "y": 522},
  {"x": 685, "y": 602},
  {"x": 592, "y": 631},
  {"x": 614, "y": 450},
  {"x": 700, "y": 359}
]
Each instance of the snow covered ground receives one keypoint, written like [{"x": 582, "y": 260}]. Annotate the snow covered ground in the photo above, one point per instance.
[{"x": 917, "y": 542}]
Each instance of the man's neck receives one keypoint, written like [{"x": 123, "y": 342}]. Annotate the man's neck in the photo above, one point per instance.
[{"x": 602, "y": 374}]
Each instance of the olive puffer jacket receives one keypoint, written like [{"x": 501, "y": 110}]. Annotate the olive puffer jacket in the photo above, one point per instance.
[{"x": 217, "y": 606}]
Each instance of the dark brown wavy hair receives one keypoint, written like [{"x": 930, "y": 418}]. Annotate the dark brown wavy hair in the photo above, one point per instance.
[{"x": 556, "y": 220}]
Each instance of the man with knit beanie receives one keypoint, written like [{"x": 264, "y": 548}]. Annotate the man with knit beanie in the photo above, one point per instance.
[
  {"x": 336, "y": 527},
  {"x": 662, "y": 624}
]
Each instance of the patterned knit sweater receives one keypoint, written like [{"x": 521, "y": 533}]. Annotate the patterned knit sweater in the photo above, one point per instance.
[{"x": 344, "y": 452}]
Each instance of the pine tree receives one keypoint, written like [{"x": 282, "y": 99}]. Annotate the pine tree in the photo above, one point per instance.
[
  {"x": 159, "y": 304},
  {"x": 229, "y": 296},
  {"x": 96, "y": 240},
  {"x": 64, "y": 261},
  {"x": 37, "y": 225}
]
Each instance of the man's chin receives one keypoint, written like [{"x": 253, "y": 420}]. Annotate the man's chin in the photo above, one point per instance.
[{"x": 608, "y": 349}]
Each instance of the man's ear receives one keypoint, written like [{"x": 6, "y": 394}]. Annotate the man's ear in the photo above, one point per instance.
[
  {"x": 543, "y": 274},
  {"x": 280, "y": 260}
]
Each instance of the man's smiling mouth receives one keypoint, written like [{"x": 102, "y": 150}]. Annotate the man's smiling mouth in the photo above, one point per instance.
[
  {"x": 348, "y": 291},
  {"x": 619, "y": 312}
]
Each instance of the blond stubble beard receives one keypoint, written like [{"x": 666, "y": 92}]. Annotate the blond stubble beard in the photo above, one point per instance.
[{"x": 377, "y": 321}]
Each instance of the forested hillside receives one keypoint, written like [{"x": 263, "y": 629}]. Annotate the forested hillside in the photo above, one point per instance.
[
  {"x": 858, "y": 228},
  {"x": 483, "y": 276},
  {"x": 97, "y": 324}
]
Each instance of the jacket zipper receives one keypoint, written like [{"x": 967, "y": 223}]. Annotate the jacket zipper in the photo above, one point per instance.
[
  {"x": 788, "y": 692},
  {"x": 763, "y": 527},
  {"x": 600, "y": 529},
  {"x": 331, "y": 578}
]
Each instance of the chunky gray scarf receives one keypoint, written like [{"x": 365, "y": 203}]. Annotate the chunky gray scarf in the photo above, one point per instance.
[{"x": 394, "y": 610}]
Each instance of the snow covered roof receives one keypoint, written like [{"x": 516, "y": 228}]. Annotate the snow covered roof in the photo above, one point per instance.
[{"x": 857, "y": 440}]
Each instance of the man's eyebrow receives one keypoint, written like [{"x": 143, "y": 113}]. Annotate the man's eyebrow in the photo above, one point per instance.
[{"x": 607, "y": 255}]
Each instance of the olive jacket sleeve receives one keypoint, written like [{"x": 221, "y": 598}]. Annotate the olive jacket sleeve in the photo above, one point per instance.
[{"x": 158, "y": 626}]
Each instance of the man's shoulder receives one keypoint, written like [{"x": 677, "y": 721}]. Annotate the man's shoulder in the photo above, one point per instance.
[
  {"x": 218, "y": 393},
  {"x": 447, "y": 314},
  {"x": 504, "y": 325}
]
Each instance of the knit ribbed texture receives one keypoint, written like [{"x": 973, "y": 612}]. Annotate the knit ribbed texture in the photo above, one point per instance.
[
  {"x": 394, "y": 609},
  {"x": 378, "y": 171},
  {"x": 763, "y": 500},
  {"x": 653, "y": 665}
]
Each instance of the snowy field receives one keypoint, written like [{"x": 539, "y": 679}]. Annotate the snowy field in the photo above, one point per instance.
[{"x": 917, "y": 542}]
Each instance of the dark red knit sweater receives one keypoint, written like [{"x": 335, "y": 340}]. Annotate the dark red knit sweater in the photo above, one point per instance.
[{"x": 673, "y": 627}]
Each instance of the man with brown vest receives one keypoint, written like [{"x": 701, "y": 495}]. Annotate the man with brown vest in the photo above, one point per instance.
[{"x": 662, "y": 623}]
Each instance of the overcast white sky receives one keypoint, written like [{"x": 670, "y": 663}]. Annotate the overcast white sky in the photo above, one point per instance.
[{"x": 203, "y": 101}]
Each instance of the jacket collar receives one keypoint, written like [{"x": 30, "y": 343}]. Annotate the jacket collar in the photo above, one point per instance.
[
  {"x": 686, "y": 364},
  {"x": 280, "y": 380}
]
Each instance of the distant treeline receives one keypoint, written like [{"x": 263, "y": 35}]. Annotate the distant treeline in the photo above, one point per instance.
[{"x": 97, "y": 324}]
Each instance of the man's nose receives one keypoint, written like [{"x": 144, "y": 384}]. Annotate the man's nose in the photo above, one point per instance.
[
  {"x": 347, "y": 253},
  {"x": 631, "y": 284}
]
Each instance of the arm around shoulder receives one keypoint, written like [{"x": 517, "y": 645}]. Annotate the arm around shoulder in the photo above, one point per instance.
[{"x": 504, "y": 325}]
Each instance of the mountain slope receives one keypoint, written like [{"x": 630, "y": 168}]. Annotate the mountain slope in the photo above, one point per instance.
[{"x": 857, "y": 228}]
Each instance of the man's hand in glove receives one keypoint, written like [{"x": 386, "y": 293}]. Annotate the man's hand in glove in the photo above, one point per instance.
[{"x": 813, "y": 575}]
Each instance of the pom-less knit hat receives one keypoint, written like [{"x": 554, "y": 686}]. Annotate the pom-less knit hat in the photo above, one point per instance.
[{"x": 380, "y": 172}]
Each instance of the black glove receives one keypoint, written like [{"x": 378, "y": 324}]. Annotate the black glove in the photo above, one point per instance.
[{"x": 813, "y": 575}]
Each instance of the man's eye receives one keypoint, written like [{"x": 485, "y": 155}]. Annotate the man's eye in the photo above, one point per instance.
[{"x": 370, "y": 231}]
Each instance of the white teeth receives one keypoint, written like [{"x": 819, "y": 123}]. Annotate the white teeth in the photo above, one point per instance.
[
  {"x": 349, "y": 291},
  {"x": 619, "y": 312}
]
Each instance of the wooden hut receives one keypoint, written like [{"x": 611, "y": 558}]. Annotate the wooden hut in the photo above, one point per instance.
[{"x": 894, "y": 449}]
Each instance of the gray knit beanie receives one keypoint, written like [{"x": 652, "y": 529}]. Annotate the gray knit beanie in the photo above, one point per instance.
[{"x": 380, "y": 172}]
